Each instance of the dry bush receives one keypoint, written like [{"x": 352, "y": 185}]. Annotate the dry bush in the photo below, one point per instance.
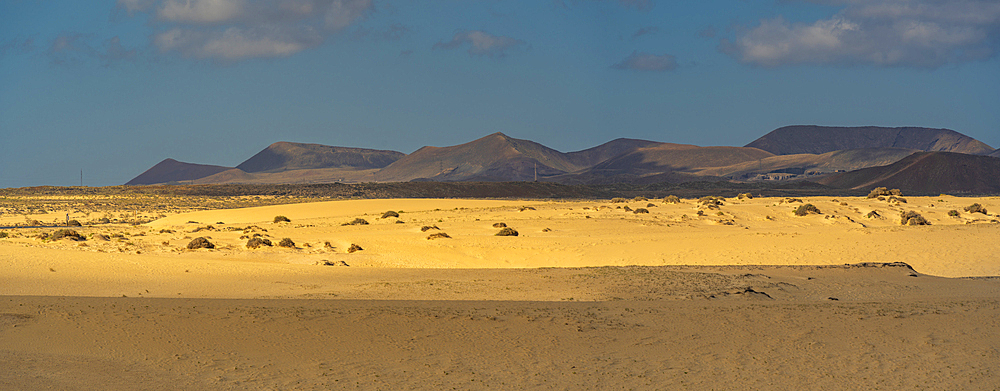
[
  {"x": 438, "y": 235},
  {"x": 640, "y": 210},
  {"x": 912, "y": 218},
  {"x": 745, "y": 195},
  {"x": 650, "y": 205},
  {"x": 4, "y": 235},
  {"x": 627, "y": 209},
  {"x": 102, "y": 237},
  {"x": 428, "y": 227},
  {"x": 546, "y": 229},
  {"x": 507, "y": 232},
  {"x": 66, "y": 234},
  {"x": 73, "y": 223},
  {"x": 332, "y": 263},
  {"x": 806, "y": 209},
  {"x": 791, "y": 200},
  {"x": 671, "y": 199},
  {"x": 843, "y": 204},
  {"x": 357, "y": 221},
  {"x": 524, "y": 208},
  {"x": 166, "y": 231},
  {"x": 327, "y": 245},
  {"x": 882, "y": 191},
  {"x": 953, "y": 213},
  {"x": 281, "y": 219},
  {"x": 701, "y": 213},
  {"x": 104, "y": 220},
  {"x": 499, "y": 225},
  {"x": 286, "y": 242},
  {"x": 975, "y": 208},
  {"x": 354, "y": 248},
  {"x": 199, "y": 242},
  {"x": 390, "y": 214},
  {"x": 640, "y": 198},
  {"x": 873, "y": 215},
  {"x": 618, "y": 200},
  {"x": 258, "y": 242},
  {"x": 897, "y": 199}
]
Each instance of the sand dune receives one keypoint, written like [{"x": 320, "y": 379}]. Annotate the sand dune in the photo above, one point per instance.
[{"x": 588, "y": 296}]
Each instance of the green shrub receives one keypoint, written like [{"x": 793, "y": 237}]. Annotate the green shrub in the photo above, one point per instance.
[
  {"x": 281, "y": 219},
  {"x": 953, "y": 213},
  {"x": 806, "y": 209},
  {"x": 4, "y": 235}
]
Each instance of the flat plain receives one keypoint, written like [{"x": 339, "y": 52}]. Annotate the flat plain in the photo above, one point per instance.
[{"x": 704, "y": 294}]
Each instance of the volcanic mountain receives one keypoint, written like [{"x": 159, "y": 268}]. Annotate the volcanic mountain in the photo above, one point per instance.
[
  {"x": 496, "y": 157},
  {"x": 170, "y": 170},
  {"x": 822, "y": 139},
  {"x": 995, "y": 153},
  {"x": 284, "y": 156},
  {"x": 927, "y": 173}
]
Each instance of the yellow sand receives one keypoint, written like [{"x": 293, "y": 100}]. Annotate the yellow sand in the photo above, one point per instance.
[{"x": 475, "y": 311}]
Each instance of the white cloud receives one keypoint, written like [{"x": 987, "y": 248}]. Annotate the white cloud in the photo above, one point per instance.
[
  {"x": 233, "y": 30},
  {"x": 235, "y": 43},
  {"x": 481, "y": 43},
  {"x": 200, "y": 11},
  {"x": 641, "y": 61},
  {"x": 911, "y": 33}
]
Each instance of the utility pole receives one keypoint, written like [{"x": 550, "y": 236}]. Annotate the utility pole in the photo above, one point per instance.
[
  {"x": 536, "y": 171},
  {"x": 81, "y": 177}
]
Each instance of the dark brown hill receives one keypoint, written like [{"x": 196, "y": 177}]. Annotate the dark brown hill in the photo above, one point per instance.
[
  {"x": 496, "y": 157},
  {"x": 170, "y": 170},
  {"x": 284, "y": 156},
  {"x": 927, "y": 173},
  {"x": 678, "y": 157},
  {"x": 592, "y": 156},
  {"x": 995, "y": 153},
  {"x": 822, "y": 139}
]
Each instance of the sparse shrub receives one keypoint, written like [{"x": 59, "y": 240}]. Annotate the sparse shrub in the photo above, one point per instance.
[
  {"x": 873, "y": 215},
  {"x": 953, "y": 213},
  {"x": 104, "y": 220},
  {"x": 975, "y": 208},
  {"x": 281, "y": 219},
  {"x": 332, "y": 263},
  {"x": 618, "y": 200},
  {"x": 286, "y": 242},
  {"x": 524, "y": 208},
  {"x": 882, "y": 191},
  {"x": 66, "y": 234},
  {"x": 720, "y": 213},
  {"x": 650, "y": 205},
  {"x": 258, "y": 242},
  {"x": 389, "y": 214},
  {"x": 73, "y": 223},
  {"x": 897, "y": 199},
  {"x": 499, "y": 225},
  {"x": 640, "y": 210},
  {"x": 640, "y": 198},
  {"x": 546, "y": 229},
  {"x": 791, "y": 200},
  {"x": 507, "y": 232},
  {"x": 745, "y": 195},
  {"x": 806, "y": 209},
  {"x": 327, "y": 245},
  {"x": 357, "y": 221},
  {"x": 4, "y": 235},
  {"x": 438, "y": 235},
  {"x": 428, "y": 227},
  {"x": 671, "y": 199},
  {"x": 199, "y": 242},
  {"x": 354, "y": 248},
  {"x": 701, "y": 213},
  {"x": 627, "y": 209},
  {"x": 102, "y": 237},
  {"x": 843, "y": 204},
  {"x": 166, "y": 231},
  {"x": 912, "y": 218}
]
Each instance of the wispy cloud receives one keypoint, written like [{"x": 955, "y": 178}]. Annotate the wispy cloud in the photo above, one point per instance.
[
  {"x": 481, "y": 43},
  {"x": 642, "y": 61},
  {"x": 890, "y": 33},
  {"x": 234, "y": 30},
  {"x": 74, "y": 48},
  {"x": 645, "y": 31},
  {"x": 641, "y": 5},
  {"x": 17, "y": 46}
]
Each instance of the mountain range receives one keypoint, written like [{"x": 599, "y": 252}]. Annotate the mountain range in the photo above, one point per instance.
[{"x": 822, "y": 154}]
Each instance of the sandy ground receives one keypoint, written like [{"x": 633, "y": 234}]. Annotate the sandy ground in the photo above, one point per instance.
[{"x": 588, "y": 296}]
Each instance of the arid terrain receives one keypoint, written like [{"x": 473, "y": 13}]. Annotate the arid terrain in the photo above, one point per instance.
[{"x": 636, "y": 293}]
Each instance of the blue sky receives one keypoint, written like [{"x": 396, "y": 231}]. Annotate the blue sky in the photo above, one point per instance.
[{"x": 113, "y": 87}]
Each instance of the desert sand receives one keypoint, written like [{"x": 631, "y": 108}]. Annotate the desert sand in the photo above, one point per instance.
[{"x": 589, "y": 295}]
